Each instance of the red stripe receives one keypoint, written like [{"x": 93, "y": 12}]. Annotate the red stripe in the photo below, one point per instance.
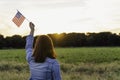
[{"x": 18, "y": 21}]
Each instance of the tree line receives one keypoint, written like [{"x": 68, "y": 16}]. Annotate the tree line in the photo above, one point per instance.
[{"x": 67, "y": 40}]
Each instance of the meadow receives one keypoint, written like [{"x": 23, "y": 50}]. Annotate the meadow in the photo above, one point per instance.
[{"x": 85, "y": 63}]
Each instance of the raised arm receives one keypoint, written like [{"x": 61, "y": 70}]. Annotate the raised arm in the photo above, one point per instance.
[{"x": 29, "y": 42}]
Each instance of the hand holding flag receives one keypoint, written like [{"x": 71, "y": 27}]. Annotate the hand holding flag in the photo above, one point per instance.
[
  {"x": 32, "y": 26},
  {"x": 18, "y": 20}
]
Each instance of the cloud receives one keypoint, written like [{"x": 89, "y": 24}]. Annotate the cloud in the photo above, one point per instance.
[{"x": 62, "y": 15}]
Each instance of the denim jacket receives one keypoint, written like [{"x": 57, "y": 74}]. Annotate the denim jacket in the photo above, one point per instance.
[{"x": 48, "y": 70}]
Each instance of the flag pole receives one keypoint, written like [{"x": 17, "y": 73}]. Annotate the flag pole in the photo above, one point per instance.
[
  {"x": 24, "y": 16},
  {"x": 27, "y": 19}
]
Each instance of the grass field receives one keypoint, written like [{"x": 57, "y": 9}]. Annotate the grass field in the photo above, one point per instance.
[{"x": 95, "y": 63}]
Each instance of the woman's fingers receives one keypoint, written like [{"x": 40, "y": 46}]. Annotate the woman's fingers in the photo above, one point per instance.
[{"x": 31, "y": 26}]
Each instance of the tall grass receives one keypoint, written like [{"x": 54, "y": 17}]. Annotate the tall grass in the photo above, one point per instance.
[{"x": 101, "y": 63}]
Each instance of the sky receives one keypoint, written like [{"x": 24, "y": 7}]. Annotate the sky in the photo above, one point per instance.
[{"x": 58, "y": 16}]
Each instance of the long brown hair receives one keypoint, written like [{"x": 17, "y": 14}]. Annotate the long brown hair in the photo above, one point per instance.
[{"x": 43, "y": 48}]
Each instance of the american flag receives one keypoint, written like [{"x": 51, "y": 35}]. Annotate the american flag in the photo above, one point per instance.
[{"x": 18, "y": 19}]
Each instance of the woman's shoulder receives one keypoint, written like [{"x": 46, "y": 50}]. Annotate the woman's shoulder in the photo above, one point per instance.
[{"x": 53, "y": 61}]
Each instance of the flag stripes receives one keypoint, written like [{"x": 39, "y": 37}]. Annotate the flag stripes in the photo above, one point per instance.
[{"x": 18, "y": 19}]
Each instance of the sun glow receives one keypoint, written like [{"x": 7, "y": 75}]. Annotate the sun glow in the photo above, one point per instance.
[{"x": 60, "y": 16}]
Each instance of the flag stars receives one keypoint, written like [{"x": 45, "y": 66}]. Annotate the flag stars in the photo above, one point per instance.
[{"x": 18, "y": 15}]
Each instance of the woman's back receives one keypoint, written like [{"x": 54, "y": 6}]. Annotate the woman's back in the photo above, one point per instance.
[
  {"x": 43, "y": 71},
  {"x": 42, "y": 60}
]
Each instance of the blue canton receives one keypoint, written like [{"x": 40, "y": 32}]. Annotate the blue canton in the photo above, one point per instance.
[{"x": 18, "y": 15}]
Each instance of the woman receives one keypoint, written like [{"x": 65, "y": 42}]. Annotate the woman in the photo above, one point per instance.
[{"x": 42, "y": 60}]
